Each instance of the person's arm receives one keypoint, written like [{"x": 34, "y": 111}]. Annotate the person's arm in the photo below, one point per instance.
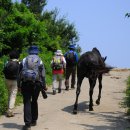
[
  {"x": 42, "y": 75},
  {"x": 64, "y": 62},
  {"x": 76, "y": 57},
  {"x": 19, "y": 81},
  {"x": 43, "y": 81}
]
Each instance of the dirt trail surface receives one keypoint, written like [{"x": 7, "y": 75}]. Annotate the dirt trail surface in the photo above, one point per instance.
[{"x": 55, "y": 113}]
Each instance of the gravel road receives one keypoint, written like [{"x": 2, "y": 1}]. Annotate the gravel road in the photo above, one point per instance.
[{"x": 55, "y": 113}]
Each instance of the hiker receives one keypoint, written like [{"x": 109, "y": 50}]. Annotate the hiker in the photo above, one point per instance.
[
  {"x": 10, "y": 71},
  {"x": 31, "y": 82},
  {"x": 58, "y": 65},
  {"x": 71, "y": 61}
]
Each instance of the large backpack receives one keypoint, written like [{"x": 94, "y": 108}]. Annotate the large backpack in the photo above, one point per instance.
[
  {"x": 11, "y": 69},
  {"x": 57, "y": 63},
  {"x": 30, "y": 71},
  {"x": 70, "y": 58}
]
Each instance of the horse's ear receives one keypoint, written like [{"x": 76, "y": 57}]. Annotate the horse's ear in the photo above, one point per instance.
[{"x": 105, "y": 58}]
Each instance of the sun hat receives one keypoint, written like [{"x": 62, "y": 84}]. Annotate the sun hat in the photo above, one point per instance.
[
  {"x": 33, "y": 50},
  {"x": 58, "y": 52},
  {"x": 71, "y": 46}
]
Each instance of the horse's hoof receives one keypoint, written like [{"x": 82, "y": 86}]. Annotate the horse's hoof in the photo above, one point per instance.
[
  {"x": 90, "y": 109},
  {"x": 75, "y": 112},
  {"x": 97, "y": 102}
]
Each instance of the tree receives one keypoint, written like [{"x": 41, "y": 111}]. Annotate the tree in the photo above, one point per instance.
[
  {"x": 127, "y": 15},
  {"x": 20, "y": 29},
  {"x": 35, "y": 6},
  {"x": 6, "y": 4},
  {"x": 60, "y": 27}
]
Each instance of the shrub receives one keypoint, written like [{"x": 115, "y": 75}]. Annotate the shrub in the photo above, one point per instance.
[{"x": 126, "y": 102}]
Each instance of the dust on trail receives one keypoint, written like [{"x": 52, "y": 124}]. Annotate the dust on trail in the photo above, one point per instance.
[{"x": 55, "y": 113}]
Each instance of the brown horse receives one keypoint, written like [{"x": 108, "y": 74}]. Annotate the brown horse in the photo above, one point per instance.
[{"x": 92, "y": 66}]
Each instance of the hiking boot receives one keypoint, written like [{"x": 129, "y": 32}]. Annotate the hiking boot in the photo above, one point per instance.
[
  {"x": 10, "y": 114},
  {"x": 54, "y": 92},
  {"x": 67, "y": 88},
  {"x": 33, "y": 123},
  {"x": 72, "y": 87},
  {"x": 25, "y": 127},
  {"x": 59, "y": 90}
]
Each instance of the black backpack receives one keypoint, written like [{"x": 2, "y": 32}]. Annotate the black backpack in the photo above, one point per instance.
[
  {"x": 70, "y": 59},
  {"x": 11, "y": 69}
]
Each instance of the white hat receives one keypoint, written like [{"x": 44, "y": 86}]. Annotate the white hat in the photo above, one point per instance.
[{"x": 58, "y": 52}]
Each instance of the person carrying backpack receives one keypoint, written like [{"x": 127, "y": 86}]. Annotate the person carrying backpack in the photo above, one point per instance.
[
  {"x": 71, "y": 62},
  {"x": 10, "y": 71},
  {"x": 31, "y": 82},
  {"x": 58, "y": 65}
]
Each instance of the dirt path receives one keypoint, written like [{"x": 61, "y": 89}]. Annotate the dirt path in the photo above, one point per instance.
[{"x": 55, "y": 113}]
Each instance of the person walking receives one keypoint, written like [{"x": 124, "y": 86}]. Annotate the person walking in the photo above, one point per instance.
[
  {"x": 58, "y": 65},
  {"x": 31, "y": 82},
  {"x": 71, "y": 57},
  {"x": 10, "y": 71}
]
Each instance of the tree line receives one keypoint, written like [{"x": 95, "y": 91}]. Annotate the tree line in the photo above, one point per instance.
[{"x": 23, "y": 24}]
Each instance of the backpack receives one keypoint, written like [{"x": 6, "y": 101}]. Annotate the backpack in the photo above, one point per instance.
[
  {"x": 30, "y": 71},
  {"x": 70, "y": 59},
  {"x": 57, "y": 63},
  {"x": 11, "y": 69}
]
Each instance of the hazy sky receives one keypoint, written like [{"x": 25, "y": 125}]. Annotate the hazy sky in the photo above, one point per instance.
[{"x": 101, "y": 24}]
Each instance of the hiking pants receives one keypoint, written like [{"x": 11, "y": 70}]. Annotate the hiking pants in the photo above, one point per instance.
[
  {"x": 12, "y": 92},
  {"x": 70, "y": 71},
  {"x": 30, "y": 92},
  {"x": 57, "y": 77}
]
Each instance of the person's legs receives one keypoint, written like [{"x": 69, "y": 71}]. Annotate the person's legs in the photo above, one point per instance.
[
  {"x": 34, "y": 104},
  {"x": 68, "y": 73},
  {"x": 54, "y": 83},
  {"x": 27, "y": 90},
  {"x": 73, "y": 77},
  {"x": 12, "y": 92},
  {"x": 60, "y": 76}
]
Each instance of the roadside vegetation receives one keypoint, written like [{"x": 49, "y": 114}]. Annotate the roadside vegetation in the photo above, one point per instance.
[
  {"x": 24, "y": 24},
  {"x": 126, "y": 102}
]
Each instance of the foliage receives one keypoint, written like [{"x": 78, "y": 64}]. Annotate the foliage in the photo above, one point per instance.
[
  {"x": 21, "y": 29},
  {"x": 35, "y": 6},
  {"x": 127, "y": 15},
  {"x": 3, "y": 90},
  {"x": 126, "y": 102}
]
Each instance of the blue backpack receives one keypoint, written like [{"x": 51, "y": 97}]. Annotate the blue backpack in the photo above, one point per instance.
[{"x": 30, "y": 71}]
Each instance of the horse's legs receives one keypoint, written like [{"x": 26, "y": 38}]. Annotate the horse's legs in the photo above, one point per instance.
[
  {"x": 100, "y": 89},
  {"x": 92, "y": 82},
  {"x": 77, "y": 94}
]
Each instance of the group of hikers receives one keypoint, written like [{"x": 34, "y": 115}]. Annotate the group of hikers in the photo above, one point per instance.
[{"x": 28, "y": 77}]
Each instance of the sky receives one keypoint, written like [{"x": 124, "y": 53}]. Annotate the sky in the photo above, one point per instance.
[{"x": 101, "y": 24}]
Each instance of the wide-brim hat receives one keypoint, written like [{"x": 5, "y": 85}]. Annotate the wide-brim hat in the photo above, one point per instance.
[
  {"x": 33, "y": 50},
  {"x": 71, "y": 47},
  {"x": 58, "y": 52}
]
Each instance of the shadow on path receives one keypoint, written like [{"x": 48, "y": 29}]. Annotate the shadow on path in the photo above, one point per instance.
[
  {"x": 82, "y": 107},
  {"x": 11, "y": 126}
]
